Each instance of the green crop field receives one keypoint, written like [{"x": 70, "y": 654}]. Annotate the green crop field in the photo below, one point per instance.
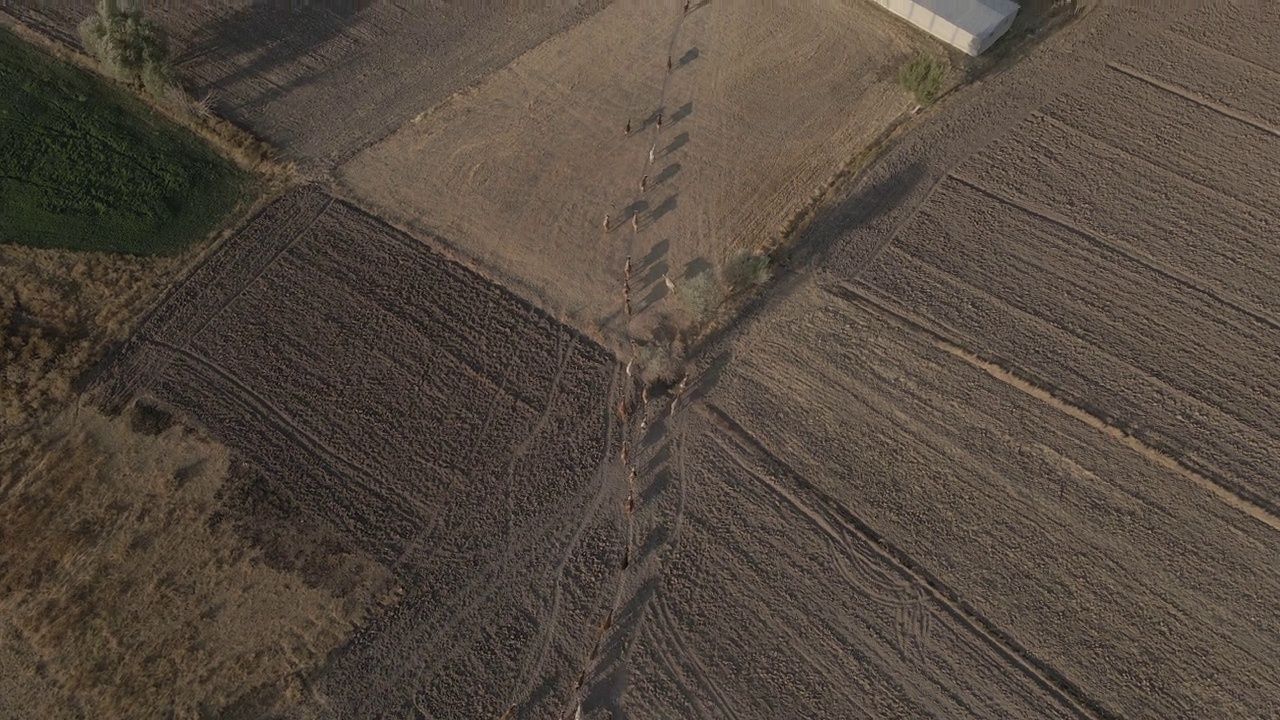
[{"x": 86, "y": 166}]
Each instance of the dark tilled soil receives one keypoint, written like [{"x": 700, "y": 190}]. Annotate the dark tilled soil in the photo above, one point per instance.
[{"x": 437, "y": 424}]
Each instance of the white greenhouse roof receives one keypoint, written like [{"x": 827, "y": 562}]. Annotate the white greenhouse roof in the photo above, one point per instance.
[{"x": 975, "y": 16}]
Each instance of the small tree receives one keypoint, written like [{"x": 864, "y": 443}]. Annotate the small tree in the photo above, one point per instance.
[
  {"x": 922, "y": 75},
  {"x": 744, "y": 269},
  {"x": 129, "y": 47},
  {"x": 701, "y": 295}
]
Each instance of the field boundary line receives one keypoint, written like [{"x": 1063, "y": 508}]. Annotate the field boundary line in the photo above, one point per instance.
[
  {"x": 1039, "y": 672},
  {"x": 1196, "y": 98},
  {"x": 292, "y": 431},
  {"x": 1174, "y": 276},
  {"x": 1237, "y": 499}
]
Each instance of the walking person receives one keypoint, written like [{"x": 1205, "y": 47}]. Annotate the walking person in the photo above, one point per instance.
[
  {"x": 627, "y": 130},
  {"x": 686, "y": 7},
  {"x": 606, "y": 222},
  {"x": 644, "y": 182},
  {"x": 652, "y": 149},
  {"x": 659, "y": 120},
  {"x": 635, "y": 222}
]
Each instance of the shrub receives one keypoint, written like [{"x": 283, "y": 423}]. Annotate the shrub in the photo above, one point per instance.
[
  {"x": 130, "y": 48},
  {"x": 922, "y": 75},
  {"x": 658, "y": 362},
  {"x": 744, "y": 269},
  {"x": 701, "y": 295}
]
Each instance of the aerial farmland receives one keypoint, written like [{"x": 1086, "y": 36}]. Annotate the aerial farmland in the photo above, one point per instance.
[{"x": 990, "y": 432}]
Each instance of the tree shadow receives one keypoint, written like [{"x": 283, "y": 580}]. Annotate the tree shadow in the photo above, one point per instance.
[
  {"x": 696, "y": 267},
  {"x": 858, "y": 210},
  {"x": 708, "y": 378},
  {"x": 274, "y": 33},
  {"x": 861, "y": 207}
]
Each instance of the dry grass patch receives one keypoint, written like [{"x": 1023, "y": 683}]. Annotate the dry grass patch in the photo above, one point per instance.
[{"x": 135, "y": 604}]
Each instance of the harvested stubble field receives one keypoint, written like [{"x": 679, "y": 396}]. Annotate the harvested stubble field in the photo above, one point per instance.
[
  {"x": 761, "y": 106},
  {"x": 463, "y": 440},
  {"x": 323, "y": 80}
]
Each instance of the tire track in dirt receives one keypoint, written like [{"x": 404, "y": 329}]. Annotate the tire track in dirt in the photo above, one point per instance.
[
  {"x": 180, "y": 306},
  {"x": 670, "y": 635},
  {"x": 1066, "y": 692},
  {"x": 908, "y": 599},
  {"x": 1196, "y": 98},
  {"x": 529, "y": 672},
  {"x": 261, "y": 268},
  {"x": 288, "y": 427},
  {"x": 1173, "y": 276},
  {"x": 1227, "y": 493}
]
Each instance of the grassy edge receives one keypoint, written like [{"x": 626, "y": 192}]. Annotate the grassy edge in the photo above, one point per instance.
[{"x": 268, "y": 177}]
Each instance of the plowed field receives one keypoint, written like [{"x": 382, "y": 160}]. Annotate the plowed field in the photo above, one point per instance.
[
  {"x": 1116, "y": 245},
  {"x": 1070, "y": 557},
  {"x": 435, "y": 423}
]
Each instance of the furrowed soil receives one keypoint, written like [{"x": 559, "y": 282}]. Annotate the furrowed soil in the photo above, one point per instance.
[
  {"x": 760, "y": 108},
  {"x": 323, "y": 80},
  {"x": 1114, "y": 244},
  {"x": 1000, "y": 443},
  {"x": 88, "y": 167},
  {"x": 1078, "y": 561},
  {"x": 461, "y": 439}
]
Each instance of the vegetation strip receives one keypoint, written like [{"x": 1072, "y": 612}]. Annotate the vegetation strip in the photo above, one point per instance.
[{"x": 86, "y": 166}]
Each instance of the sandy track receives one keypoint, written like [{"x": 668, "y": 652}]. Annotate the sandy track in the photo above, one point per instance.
[
  {"x": 324, "y": 80},
  {"x": 1081, "y": 551},
  {"x": 453, "y": 433},
  {"x": 761, "y": 107}
]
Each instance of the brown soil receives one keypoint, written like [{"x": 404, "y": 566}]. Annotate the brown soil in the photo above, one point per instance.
[
  {"x": 323, "y": 80},
  {"x": 760, "y": 109},
  {"x": 1115, "y": 245},
  {"x": 1093, "y": 564},
  {"x": 460, "y": 438},
  {"x": 1000, "y": 444}
]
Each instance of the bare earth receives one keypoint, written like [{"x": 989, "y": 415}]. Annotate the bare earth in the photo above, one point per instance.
[
  {"x": 520, "y": 172},
  {"x": 323, "y": 80},
  {"x": 1003, "y": 443},
  {"x": 457, "y": 436}
]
